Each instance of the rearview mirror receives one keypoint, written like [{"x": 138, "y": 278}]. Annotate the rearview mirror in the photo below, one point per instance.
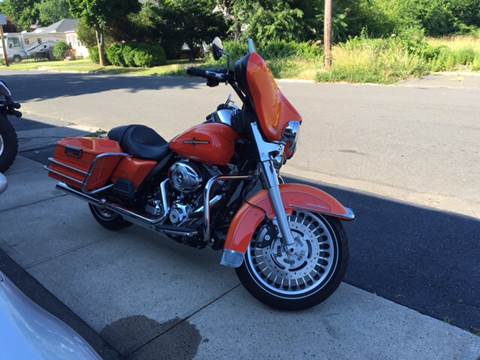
[{"x": 217, "y": 48}]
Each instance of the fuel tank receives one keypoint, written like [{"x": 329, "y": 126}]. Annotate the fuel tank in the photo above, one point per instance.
[{"x": 210, "y": 143}]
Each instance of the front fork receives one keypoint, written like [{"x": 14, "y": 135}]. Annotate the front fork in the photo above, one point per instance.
[
  {"x": 273, "y": 187},
  {"x": 270, "y": 176}
]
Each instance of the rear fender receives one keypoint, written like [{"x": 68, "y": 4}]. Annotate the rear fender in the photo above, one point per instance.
[{"x": 253, "y": 212}]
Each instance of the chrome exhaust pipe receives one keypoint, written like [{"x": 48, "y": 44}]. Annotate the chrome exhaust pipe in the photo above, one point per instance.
[
  {"x": 129, "y": 215},
  {"x": 152, "y": 224}
]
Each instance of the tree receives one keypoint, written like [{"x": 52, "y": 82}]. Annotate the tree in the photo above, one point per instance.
[
  {"x": 276, "y": 22},
  {"x": 192, "y": 22},
  {"x": 100, "y": 14},
  {"x": 51, "y": 11},
  {"x": 23, "y": 12}
]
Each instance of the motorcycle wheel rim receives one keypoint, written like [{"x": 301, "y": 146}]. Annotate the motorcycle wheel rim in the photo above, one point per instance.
[
  {"x": 2, "y": 145},
  {"x": 307, "y": 270},
  {"x": 103, "y": 213}
]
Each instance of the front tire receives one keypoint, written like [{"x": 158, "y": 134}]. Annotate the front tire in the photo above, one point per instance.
[
  {"x": 8, "y": 144},
  {"x": 303, "y": 278},
  {"x": 108, "y": 219}
]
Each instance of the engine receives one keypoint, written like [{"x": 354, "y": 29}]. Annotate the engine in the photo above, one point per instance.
[
  {"x": 185, "y": 177},
  {"x": 185, "y": 192}
]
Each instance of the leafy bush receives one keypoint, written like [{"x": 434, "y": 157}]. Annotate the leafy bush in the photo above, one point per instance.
[
  {"x": 276, "y": 50},
  {"x": 115, "y": 55},
  {"x": 60, "y": 50},
  {"x": 146, "y": 55},
  {"x": 128, "y": 53},
  {"x": 136, "y": 55},
  {"x": 236, "y": 49},
  {"x": 93, "y": 53}
]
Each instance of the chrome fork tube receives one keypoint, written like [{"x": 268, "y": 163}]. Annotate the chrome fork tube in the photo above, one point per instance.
[
  {"x": 273, "y": 187},
  {"x": 265, "y": 151}
]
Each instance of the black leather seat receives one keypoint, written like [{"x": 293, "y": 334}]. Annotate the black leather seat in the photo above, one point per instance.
[{"x": 140, "y": 141}]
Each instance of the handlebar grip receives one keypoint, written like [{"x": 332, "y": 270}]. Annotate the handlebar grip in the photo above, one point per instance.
[{"x": 196, "y": 72}]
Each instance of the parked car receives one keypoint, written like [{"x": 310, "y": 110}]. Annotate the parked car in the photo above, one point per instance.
[{"x": 28, "y": 332}]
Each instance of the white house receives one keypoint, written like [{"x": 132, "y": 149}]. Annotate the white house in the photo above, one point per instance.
[{"x": 63, "y": 30}]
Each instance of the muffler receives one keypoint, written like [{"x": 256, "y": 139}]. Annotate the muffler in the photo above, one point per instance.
[{"x": 133, "y": 217}]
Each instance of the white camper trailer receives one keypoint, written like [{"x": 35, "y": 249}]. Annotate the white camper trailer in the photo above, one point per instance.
[{"x": 15, "y": 47}]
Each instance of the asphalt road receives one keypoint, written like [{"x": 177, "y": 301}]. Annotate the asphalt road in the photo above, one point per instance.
[
  {"x": 412, "y": 145},
  {"x": 413, "y": 142}
]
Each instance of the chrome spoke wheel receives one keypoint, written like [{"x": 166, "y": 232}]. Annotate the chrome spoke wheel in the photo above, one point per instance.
[
  {"x": 304, "y": 268},
  {"x": 2, "y": 145}
]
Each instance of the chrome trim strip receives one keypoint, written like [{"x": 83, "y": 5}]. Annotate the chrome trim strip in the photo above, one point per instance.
[
  {"x": 56, "y": 162},
  {"x": 88, "y": 174},
  {"x": 231, "y": 258},
  {"x": 63, "y": 175}
]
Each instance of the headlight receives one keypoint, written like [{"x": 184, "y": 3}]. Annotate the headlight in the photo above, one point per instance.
[{"x": 292, "y": 134}]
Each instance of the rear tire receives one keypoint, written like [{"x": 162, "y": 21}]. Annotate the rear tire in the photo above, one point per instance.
[
  {"x": 304, "y": 278},
  {"x": 8, "y": 144},
  {"x": 108, "y": 219}
]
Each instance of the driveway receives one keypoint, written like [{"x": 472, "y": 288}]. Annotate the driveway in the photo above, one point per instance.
[{"x": 413, "y": 281}]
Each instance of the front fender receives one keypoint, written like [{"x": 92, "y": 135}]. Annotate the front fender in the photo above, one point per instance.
[{"x": 253, "y": 212}]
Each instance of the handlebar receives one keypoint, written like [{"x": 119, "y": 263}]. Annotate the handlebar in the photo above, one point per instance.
[
  {"x": 192, "y": 71},
  {"x": 214, "y": 77}
]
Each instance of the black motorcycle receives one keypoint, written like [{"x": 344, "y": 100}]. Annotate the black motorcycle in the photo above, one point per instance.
[{"x": 8, "y": 136}]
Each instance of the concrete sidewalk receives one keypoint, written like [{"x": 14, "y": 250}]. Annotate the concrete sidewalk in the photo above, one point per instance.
[{"x": 153, "y": 299}]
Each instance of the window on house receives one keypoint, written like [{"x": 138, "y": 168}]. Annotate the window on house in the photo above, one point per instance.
[{"x": 13, "y": 42}]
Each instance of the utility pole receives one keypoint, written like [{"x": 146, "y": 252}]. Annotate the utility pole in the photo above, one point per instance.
[
  {"x": 3, "y": 21},
  {"x": 327, "y": 35}
]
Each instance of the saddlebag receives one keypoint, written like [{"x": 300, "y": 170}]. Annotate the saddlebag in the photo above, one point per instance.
[{"x": 85, "y": 163}]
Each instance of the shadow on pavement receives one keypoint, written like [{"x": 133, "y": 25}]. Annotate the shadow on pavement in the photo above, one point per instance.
[
  {"x": 422, "y": 258},
  {"x": 27, "y": 87}
]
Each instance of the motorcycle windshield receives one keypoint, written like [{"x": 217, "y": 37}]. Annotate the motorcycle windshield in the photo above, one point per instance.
[{"x": 273, "y": 110}]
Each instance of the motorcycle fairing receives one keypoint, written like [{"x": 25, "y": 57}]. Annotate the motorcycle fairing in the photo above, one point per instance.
[
  {"x": 253, "y": 212},
  {"x": 273, "y": 109}
]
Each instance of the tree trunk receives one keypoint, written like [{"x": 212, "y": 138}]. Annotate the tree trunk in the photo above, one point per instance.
[{"x": 101, "y": 46}]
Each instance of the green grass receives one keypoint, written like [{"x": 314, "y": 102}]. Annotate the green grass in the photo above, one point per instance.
[
  {"x": 387, "y": 61},
  {"x": 87, "y": 66}
]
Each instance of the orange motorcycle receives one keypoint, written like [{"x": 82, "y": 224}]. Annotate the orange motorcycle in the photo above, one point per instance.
[{"x": 202, "y": 188}]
